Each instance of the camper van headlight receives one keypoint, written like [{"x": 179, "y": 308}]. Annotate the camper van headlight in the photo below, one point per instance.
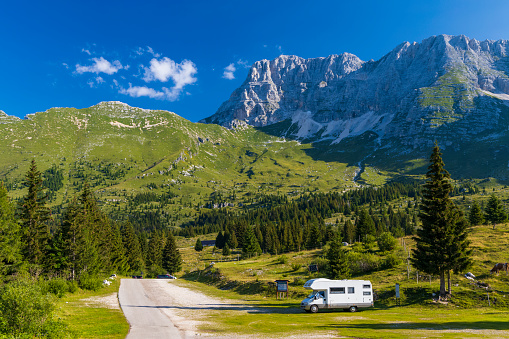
[{"x": 304, "y": 303}]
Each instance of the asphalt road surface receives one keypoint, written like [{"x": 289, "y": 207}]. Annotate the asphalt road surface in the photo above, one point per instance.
[{"x": 147, "y": 319}]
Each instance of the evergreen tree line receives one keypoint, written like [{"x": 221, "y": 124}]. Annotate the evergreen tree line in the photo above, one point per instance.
[
  {"x": 300, "y": 224},
  {"x": 84, "y": 246}
]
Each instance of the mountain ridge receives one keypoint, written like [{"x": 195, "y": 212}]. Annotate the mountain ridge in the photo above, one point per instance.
[{"x": 435, "y": 81}]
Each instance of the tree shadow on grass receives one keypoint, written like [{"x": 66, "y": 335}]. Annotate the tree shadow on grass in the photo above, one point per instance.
[
  {"x": 453, "y": 325},
  {"x": 284, "y": 308}
]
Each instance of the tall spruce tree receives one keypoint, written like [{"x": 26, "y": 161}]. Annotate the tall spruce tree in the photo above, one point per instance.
[
  {"x": 220, "y": 240},
  {"x": 337, "y": 258},
  {"x": 495, "y": 212},
  {"x": 441, "y": 243},
  {"x": 79, "y": 242},
  {"x": 365, "y": 225},
  {"x": 198, "y": 246},
  {"x": 85, "y": 238},
  {"x": 155, "y": 253},
  {"x": 33, "y": 215},
  {"x": 10, "y": 254},
  {"x": 349, "y": 231},
  {"x": 132, "y": 248},
  {"x": 476, "y": 216},
  {"x": 250, "y": 243},
  {"x": 172, "y": 260}
]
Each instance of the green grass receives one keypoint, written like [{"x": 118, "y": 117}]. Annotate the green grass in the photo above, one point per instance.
[
  {"x": 254, "y": 309},
  {"x": 92, "y": 319}
]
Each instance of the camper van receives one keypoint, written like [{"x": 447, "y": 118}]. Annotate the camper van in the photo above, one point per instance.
[{"x": 330, "y": 294}]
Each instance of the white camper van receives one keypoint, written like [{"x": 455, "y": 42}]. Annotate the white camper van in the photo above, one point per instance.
[{"x": 329, "y": 294}]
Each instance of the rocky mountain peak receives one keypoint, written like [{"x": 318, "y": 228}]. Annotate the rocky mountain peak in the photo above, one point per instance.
[{"x": 416, "y": 92}]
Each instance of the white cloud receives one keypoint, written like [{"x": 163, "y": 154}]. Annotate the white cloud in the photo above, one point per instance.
[
  {"x": 243, "y": 63},
  {"x": 163, "y": 70},
  {"x": 229, "y": 72},
  {"x": 171, "y": 94},
  {"x": 166, "y": 69},
  {"x": 86, "y": 51},
  {"x": 142, "y": 91},
  {"x": 93, "y": 83},
  {"x": 140, "y": 51},
  {"x": 101, "y": 65},
  {"x": 151, "y": 51}
]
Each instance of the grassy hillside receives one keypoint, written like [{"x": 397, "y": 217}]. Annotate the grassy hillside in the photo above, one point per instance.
[{"x": 123, "y": 151}]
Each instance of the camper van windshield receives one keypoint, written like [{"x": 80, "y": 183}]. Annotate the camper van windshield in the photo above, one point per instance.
[{"x": 318, "y": 294}]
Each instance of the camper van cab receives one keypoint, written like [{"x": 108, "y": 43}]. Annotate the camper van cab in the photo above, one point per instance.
[{"x": 329, "y": 294}]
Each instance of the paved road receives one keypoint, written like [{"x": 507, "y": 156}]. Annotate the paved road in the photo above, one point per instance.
[{"x": 147, "y": 320}]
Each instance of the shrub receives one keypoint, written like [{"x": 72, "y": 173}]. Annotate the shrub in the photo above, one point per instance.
[
  {"x": 322, "y": 263},
  {"x": 90, "y": 282},
  {"x": 296, "y": 267},
  {"x": 363, "y": 262},
  {"x": 57, "y": 286},
  {"x": 25, "y": 310},
  {"x": 386, "y": 242},
  {"x": 299, "y": 281},
  {"x": 369, "y": 242},
  {"x": 282, "y": 259},
  {"x": 391, "y": 260}
]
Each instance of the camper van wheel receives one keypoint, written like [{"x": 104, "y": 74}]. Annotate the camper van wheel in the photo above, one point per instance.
[
  {"x": 313, "y": 308},
  {"x": 352, "y": 309}
]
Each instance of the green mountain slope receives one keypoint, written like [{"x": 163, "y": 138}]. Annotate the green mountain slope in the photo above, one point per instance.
[{"x": 160, "y": 164}]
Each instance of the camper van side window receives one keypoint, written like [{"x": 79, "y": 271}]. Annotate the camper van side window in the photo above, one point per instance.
[
  {"x": 337, "y": 290},
  {"x": 366, "y": 286},
  {"x": 351, "y": 290},
  {"x": 366, "y": 293}
]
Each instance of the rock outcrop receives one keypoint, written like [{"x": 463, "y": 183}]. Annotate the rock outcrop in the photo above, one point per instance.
[{"x": 447, "y": 87}]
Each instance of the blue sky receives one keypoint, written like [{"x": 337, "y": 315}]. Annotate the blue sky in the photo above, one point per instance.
[{"x": 188, "y": 56}]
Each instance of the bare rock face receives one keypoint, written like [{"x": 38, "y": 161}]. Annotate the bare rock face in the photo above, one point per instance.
[{"x": 447, "y": 87}]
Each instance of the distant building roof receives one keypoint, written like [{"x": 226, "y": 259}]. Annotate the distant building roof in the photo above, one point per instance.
[{"x": 208, "y": 242}]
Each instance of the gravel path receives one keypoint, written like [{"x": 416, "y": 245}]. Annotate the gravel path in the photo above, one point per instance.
[{"x": 160, "y": 309}]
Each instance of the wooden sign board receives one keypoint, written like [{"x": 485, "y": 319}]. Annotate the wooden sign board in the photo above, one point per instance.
[
  {"x": 282, "y": 285},
  {"x": 313, "y": 268},
  {"x": 281, "y": 289}
]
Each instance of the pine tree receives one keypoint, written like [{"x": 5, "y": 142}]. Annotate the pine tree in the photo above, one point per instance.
[
  {"x": 172, "y": 261},
  {"x": 365, "y": 225},
  {"x": 349, "y": 231},
  {"x": 84, "y": 238},
  {"x": 232, "y": 241},
  {"x": 33, "y": 215},
  {"x": 10, "y": 254},
  {"x": 132, "y": 248},
  {"x": 118, "y": 251},
  {"x": 198, "y": 247},
  {"x": 155, "y": 253},
  {"x": 476, "y": 216},
  {"x": 314, "y": 238},
  {"x": 250, "y": 243},
  {"x": 495, "y": 212},
  {"x": 337, "y": 258},
  {"x": 220, "y": 240},
  {"x": 441, "y": 243},
  {"x": 226, "y": 250}
]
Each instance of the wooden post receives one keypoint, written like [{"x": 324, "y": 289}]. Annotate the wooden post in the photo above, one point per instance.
[
  {"x": 417, "y": 277},
  {"x": 408, "y": 268}
]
